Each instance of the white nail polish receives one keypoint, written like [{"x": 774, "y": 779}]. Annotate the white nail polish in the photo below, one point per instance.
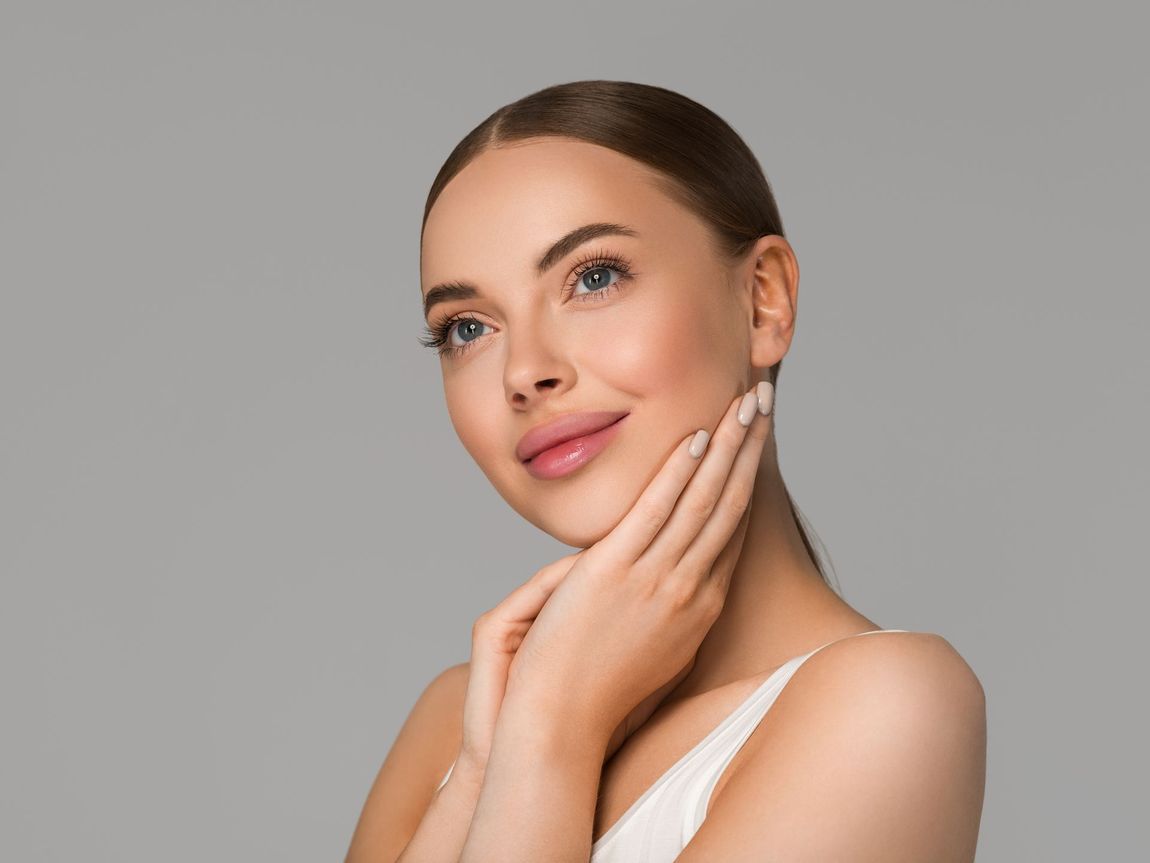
[
  {"x": 699, "y": 443},
  {"x": 747, "y": 408},
  {"x": 766, "y": 394}
]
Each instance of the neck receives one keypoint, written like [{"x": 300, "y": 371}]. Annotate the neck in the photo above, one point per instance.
[{"x": 778, "y": 605}]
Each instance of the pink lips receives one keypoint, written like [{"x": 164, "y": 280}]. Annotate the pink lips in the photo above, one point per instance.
[{"x": 562, "y": 446}]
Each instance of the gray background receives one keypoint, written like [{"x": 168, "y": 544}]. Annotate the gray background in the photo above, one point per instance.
[{"x": 239, "y": 534}]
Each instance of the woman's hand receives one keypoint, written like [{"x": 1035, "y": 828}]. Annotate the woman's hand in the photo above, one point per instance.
[
  {"x": 634, "y": 720},
  {"x": 632, "y": 609},
  {"x": 495, "y": 637}
]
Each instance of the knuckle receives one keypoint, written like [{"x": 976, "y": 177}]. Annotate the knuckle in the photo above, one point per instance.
[
  {"x": 699, "y": 507},
  {"x": 651, "y": 590},
  {"x": 482, "y": 623},
  {"x": 564, "y": 563},
  {"x": 682, "y": 593},
  {"x": 714, "y": 599},
  {"x": 737, "y": 503},
  {"x": 646, "y": 579},
  {"x": 547, "y": 569},
  {"x": 759, "y": 431},
  {"x": 651, "y": 516},
  {"x": 733, "y": 435}
]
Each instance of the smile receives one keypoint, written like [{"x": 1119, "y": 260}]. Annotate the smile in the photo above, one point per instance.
[{"x": 570, "y": 455}]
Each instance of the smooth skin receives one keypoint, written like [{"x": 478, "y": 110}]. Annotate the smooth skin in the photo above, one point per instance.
[
  {"x": 875, "y": 750},
  {"x": 636, "y": 605},
  {"x": 702, "y": 580},
  {"x": 627, "y": 617}
]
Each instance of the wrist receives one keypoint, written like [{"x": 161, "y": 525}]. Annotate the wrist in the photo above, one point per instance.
[
  {"x": 530, "y": 721},
  {"x": 468, "y": 770}
]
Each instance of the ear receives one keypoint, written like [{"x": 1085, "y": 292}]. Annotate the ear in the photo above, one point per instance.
[{"x": 772, "y": 279}]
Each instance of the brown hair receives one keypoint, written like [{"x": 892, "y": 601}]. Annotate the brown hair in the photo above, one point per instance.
[{"x": 699, "y": 160}]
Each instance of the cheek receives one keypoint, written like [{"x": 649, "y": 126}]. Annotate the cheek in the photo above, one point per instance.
[
  {"x": 660, "y": 346},
  {"x": 476, "y": 428}
]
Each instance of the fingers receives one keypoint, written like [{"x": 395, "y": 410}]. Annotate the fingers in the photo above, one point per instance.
[
  {"x": 524, "y": 603},
  {"x": 707, "y": 490},
  {"x": 724, "y": 564},
  {"x": 635, "y": 531},
  {"x": 527, "y": 600},
  {"x": 716, "y": 547}
]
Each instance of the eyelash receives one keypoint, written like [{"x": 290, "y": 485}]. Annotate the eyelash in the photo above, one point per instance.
[{"x": 437, "y": 335}]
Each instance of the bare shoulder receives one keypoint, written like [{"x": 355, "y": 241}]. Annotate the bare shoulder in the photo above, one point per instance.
[
  {"x": 420, "y": 755},
  {"x": 911, "y": 665},
  {"x": 874, "y": 750}
]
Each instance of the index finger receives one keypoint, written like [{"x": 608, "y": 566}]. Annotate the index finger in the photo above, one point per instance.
[{"x": 642, "y": 523}]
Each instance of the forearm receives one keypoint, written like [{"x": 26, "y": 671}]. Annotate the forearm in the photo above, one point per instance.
[
  {"x": 539, "y": 793},
  {"x": 443, "y": 830}
]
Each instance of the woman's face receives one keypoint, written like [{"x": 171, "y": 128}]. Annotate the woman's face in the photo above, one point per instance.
[{"x": 666, "y": 342}]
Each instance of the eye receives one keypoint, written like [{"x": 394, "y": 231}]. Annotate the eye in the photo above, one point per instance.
[
  {"x": 440, "y": 335},
  {"x": 592, "y": 274},
  {"x": 468, "y": 331},
  {"x": 597, "y": 281}
]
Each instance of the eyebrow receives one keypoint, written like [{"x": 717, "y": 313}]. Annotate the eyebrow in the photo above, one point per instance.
[{"x": 560, "y": 249}]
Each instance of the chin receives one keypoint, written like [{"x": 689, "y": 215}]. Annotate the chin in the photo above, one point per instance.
[
  {"x": 580, "y": 537},
  {"x": 581, "y": 516},
  {"x": 582, "y": 508}
]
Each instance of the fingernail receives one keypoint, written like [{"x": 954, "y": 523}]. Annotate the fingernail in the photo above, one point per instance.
[
  {"x": 747, "y": 408},
  {"x": 699, "y": 443},
  {"x": 766, "y": 393}
]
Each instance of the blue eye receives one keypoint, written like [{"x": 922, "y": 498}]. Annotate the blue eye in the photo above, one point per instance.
[
  {"x": 467, "y": 330},
  {"x": 593, "y": 279},
  {"x": 440, "y": 335}
]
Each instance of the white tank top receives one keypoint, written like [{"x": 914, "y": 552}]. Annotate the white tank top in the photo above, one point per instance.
[{"x": 658, "y": 826}]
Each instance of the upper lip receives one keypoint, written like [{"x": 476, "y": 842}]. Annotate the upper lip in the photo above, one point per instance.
[{"x": 564, "y": 428}]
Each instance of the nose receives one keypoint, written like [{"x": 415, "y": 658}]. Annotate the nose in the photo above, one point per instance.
[{"x": 537, "y": 366}]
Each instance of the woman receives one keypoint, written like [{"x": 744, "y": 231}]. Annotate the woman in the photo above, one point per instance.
[{"x": 606, "y": 280}]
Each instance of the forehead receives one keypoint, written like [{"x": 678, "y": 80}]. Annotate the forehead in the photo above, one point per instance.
[{"x": 516, "y": 200}]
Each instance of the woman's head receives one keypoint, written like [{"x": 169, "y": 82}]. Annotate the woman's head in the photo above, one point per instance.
[{"x": 675, "y": 294}]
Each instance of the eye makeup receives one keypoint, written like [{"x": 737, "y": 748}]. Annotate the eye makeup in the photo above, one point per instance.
[{"x": 438, "y": 333}]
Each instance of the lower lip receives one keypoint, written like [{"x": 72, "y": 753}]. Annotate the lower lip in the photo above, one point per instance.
[{"x": 572, "y": 454}]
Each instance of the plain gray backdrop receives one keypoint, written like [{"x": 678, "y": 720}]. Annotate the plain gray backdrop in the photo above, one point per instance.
[{"x": 239, "y": 534}]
